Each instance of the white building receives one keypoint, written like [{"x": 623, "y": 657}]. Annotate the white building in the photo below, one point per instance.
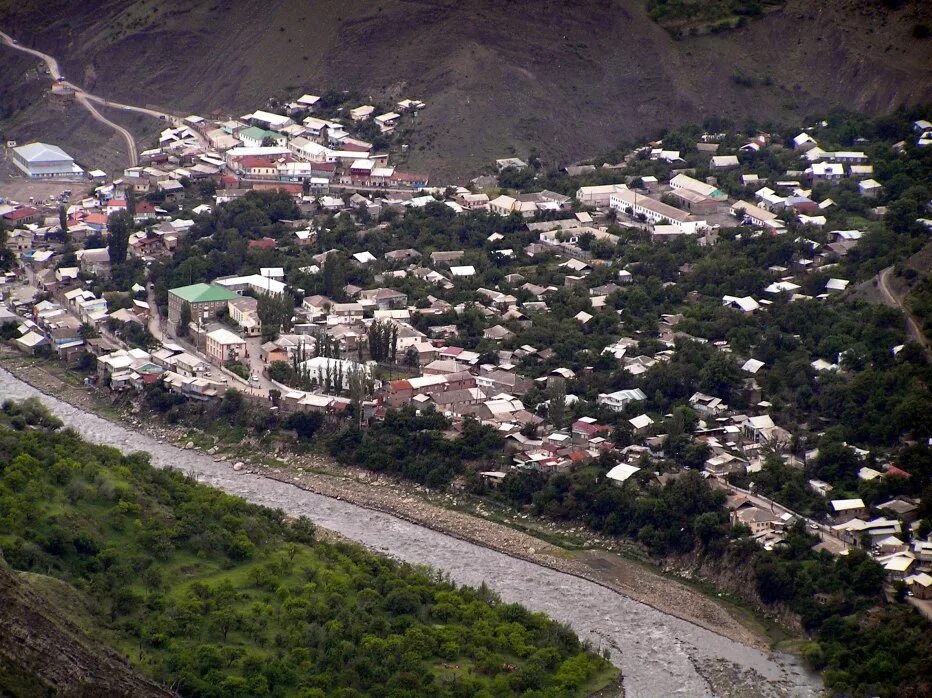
[
  {"x": 41, "y": 160},
  {"x": 269, "y": 120},
  {"x": 223, "y": 345},
  {"x": 254, "y": 282},
  {"x": 620, "y": 399},
  {"x": 320, "y": 367},
  {"x": 755, "y": 215},
  {"x": 688, "y": 183},
  {"x": 656, "y": 211},
  {"x": 598, "y": 195}
]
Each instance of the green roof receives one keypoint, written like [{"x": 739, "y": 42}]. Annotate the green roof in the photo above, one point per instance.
[
  {"x": 203, "y": 293},
  {"x": 259, "y": 133}
]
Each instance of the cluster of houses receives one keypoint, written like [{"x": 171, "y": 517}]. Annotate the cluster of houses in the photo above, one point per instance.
[{"x": 430, "y": 368}]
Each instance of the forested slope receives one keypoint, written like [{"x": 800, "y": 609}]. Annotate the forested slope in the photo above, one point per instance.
[{"x": 216, "y": 597}]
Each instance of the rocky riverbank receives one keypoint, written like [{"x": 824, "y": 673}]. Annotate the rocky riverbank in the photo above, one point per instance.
[
  {"x": 659, "y": 653},
  {"x": 326, "y": 477}
]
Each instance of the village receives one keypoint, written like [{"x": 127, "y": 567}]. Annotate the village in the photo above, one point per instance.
[{"x": 360, "y": 326}]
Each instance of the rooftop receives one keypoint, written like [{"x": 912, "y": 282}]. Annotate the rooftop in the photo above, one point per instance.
[{"x": 203, "y": 293}]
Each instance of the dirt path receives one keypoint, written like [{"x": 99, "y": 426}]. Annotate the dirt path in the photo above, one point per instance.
[
  {"x": 914, "y": 329},
  {"x": 85, "y": 98}
]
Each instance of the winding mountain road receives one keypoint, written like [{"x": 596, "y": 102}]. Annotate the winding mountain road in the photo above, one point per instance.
[
  {"x": 914, "y": 328},
  {"x": 85, "y": 98}
]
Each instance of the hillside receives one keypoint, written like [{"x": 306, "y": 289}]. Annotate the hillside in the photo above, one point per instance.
[
  {"x": 569, "y": 78},
  {"x": 216, "y": 597},
  {"x": 43, "y": 651}
]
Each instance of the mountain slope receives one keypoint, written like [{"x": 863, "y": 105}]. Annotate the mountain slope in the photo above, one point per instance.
[
  {"x": 42, "y": 652},
  {"x": 571, "y": 78}
]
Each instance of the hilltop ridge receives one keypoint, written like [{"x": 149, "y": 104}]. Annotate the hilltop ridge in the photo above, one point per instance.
[{"x": 570, "y": 78}]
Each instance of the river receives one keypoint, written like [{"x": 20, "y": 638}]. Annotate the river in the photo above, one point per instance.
[{"x": 659, "y": 654}]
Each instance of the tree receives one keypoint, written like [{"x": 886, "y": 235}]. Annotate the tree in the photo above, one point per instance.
[
  {"x": 184, "y": 320},
  {"x": 334, "y": 275},
  {"x": 275, "y": 313},
  {"x": 119, "y": 226},
  {"x": 556, "y": 409},
  {"x": 411, "y": 357},
  {"x": 63, "y": 222}
]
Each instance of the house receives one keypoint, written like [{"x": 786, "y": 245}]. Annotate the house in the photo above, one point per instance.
[
  {"x": 22, "y": 216},
  {"x": 387, "y": 122},
  {"x": 223, "y": 345},
  {"x": 869, "y": 188},
  {"x": 725, "y": 463},
  {"x": 820, "y": 488},
  {"x": 398, "y": 392},
  {"x": 597, "y": 196},
  {"x": 253, "y": 282},
  {"x": 641, "y": 423},
  {"x": 244, "y": 312},
  {"x": 826, "y": 171},
  {"x": 749, "y": 213},
  {"x": 761, "y": 429},
  {"x": 707, "y": 404},
  {"x": 268, "y": 120},
  {"x": 846, "y": 509},
  {"x": 723, "y": 162},
  {"x": 498, "y": 334},
  {"x": 204, "y": 301},
  {"x": 756, "y": 519},
  {"x": 500, "y": 381},
  {"x": 688, "y": 183},
  {"x": 385, "y": 298},
  {"x": 618, "y": 400},
  {"x": 95, "y": 261},
  {"x": 255, "y": 137},
  {"x": 331, "y": 371},
  {"x": 362, "y": 113},
  {"x": 43, "y": 161},
  {"x": 463, "y": 271},
  {"x": 920, "y": 585},
  {"x": 804, "y": 142},
  {"x": 621, "y": 472},
  {"x": 745, "y": 304}
]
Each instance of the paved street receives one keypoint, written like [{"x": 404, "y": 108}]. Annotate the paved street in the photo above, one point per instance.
[{"x": 834, "y": 544}]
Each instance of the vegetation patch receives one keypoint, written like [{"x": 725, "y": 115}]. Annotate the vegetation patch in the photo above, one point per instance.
[{"x": 218, "y": 597}]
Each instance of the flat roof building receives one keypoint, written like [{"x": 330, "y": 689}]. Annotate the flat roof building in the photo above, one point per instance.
[{"x": 41, "y": 160}]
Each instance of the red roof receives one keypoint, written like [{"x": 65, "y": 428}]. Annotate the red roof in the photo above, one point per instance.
[
  {"x": 96, "y": 219},
  {"x": 255, "y": 161},
  {"x": 408, "y": 177},
  {"x": 21, "y": 213},
  {"x": 145, "y": 207},
  {"x": 116, "y": 203},
  {"x": 401, "y": 384},
  {"x": 897, "y": 472},
  {"x": 261, "y": 244},
  {"x": 355, "y": 147},
  {"x": 589, "y": 429},
  {"x": 229, "y": 179}
]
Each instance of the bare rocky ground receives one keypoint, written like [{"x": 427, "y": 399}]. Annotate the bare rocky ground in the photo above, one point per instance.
[{"x": 595, "y": 562}]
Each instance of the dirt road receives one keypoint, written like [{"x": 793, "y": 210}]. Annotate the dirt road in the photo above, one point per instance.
[
  {"x": 85, "y": 98},
  {"x": 915, "y": 330}
]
